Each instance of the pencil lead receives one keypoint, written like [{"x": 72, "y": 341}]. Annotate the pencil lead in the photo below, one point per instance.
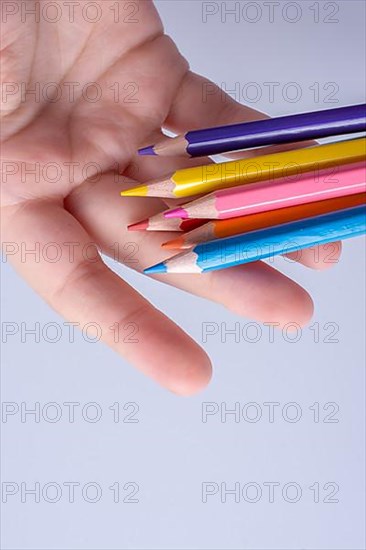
[
  {"x": 139, "y": 226},
  {"x": 174, "y": 244},
  {"x": 176, "y": 213},
  {"x": 157, "y": 268},
  {"x": 147, "y": 151},
  {"x": 140, "y": 191}
]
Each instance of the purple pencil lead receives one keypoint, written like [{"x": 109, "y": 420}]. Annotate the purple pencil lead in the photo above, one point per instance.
[{"x": 147, "y": 151}]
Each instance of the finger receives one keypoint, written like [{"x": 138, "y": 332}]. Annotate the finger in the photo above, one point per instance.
[
  {"x": 201, "y": 104},
  {"x": 318, "y": 257},
  {"x": 83, "y": 289},
  {"x": 212, "y": 107},
  {"x": 257, "y": 290}
]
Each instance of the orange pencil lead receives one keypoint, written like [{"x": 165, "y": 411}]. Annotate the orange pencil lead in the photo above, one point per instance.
[{"x": 174, "y": 244}]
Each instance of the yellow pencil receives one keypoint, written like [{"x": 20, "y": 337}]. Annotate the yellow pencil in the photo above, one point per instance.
[{"x": 204, "y": 179}]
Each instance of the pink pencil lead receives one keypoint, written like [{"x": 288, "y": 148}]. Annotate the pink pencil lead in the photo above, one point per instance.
[
  {"x": 139, "y": 226},
  {"x": 176, "y": 213}
]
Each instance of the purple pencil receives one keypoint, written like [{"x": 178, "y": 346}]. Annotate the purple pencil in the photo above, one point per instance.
[{"x": 246, "y": 135}]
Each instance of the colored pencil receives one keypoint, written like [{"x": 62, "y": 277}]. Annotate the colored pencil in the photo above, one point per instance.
[
  {"x": 269, "y": 131},
  {"x": 203, "y": 179},
  {"x": 266, "y": 243},
  {"x": 268, "y": 195},
  {"x": 219, "y": 229},
  {"x": 160, "y": 223}
]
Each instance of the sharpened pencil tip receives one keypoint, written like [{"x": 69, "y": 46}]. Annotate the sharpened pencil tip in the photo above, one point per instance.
[
  {"x": 158, "y": 268},
  {"x": 140, "y": 191},
  {"x": 176, "y": 213},
  {"x": 139, "y": 226},
  {"x": 147, "y": 151}
]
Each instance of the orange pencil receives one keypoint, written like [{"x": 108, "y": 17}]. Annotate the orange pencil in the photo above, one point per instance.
[{"x": 218, "y": 229}]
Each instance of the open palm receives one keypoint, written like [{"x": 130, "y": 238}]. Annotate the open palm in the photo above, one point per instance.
[{"x": 100, "y": 91}]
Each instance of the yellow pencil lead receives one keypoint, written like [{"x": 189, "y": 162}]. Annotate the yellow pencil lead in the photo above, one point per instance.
[{"x": 140, "y": 191}]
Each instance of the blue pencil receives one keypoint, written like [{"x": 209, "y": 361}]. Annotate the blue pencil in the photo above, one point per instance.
[
  {"x": 245, "y": 135},
  {"x": 266, "y": 243}
]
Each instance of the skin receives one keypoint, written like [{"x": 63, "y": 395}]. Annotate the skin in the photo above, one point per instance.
[{"x": 86, "y": 208}]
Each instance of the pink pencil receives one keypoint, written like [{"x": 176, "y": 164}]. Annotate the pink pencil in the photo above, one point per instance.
[{"x": 268, "y": 195}]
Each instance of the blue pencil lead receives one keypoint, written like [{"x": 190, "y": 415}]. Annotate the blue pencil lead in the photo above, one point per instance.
[{"x": 158, "y": 268}]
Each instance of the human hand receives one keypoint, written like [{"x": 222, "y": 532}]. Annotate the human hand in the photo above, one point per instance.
[{"x": 60, "y": 157}]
